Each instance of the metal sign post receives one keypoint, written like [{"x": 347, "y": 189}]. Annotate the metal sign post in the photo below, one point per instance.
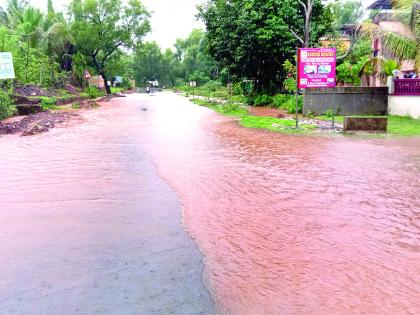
[
  {"x": 316, "y": 68},
  {"x": 297, "y": 88}
]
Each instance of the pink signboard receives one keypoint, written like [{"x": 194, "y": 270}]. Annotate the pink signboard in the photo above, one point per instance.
[{"x": 316, "y": 67}]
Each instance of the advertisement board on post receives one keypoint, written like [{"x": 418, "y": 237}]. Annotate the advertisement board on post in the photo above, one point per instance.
[
  {"x": 7, "y": 70},
  {"x": 316, "y": 67}
]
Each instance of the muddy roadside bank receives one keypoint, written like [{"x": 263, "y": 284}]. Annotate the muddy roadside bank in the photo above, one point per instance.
[{"x": 41, "y": 122}]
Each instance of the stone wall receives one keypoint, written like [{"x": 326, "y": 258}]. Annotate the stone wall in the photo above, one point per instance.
[{"x": 347, "y": 100}]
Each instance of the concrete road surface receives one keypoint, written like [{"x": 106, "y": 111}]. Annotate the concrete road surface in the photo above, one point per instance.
[{"x": 88, "y": 227}]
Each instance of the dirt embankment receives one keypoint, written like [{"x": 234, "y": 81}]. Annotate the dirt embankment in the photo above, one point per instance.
[
  {"x": 44, "y": 121},
  {"x": 40, "y": 121},
  {"x": 35, "y": 123}
]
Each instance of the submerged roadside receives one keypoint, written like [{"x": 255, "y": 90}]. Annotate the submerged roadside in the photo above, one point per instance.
[
  {"x": 105, "y": 235},
  {"x": 284, "y": 122}
]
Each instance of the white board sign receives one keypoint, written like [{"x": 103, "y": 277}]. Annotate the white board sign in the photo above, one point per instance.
[{"x": 7, "y": 71}]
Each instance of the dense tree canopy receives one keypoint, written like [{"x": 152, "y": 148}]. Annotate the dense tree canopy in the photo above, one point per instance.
[
  {"x": 347, "y": 12},
  {"x": 101, "y": 28},
  {"x": 189, "y": 62},
  {"x": 252, "y": 39}
]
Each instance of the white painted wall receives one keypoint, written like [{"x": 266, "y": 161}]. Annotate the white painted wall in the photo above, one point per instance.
[{"x": 404, "y": 106}]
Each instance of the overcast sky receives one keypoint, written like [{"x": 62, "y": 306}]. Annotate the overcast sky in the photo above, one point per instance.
[{"x": 171, "y": 19}]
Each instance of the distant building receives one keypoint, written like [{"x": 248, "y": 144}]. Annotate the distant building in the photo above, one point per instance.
[
  {"x": 385, "y": 18},
  {"x": 344, "y": 40},
  {"x": 381, "y": 5},
  {"x": 97, "y": 81}
]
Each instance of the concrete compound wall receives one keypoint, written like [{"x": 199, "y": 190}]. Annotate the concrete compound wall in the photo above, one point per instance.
[
  {"x": 404, "y": 106},
  {"x": 348, "y": 100}
]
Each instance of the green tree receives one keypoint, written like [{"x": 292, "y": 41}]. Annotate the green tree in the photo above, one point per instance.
[
  {"x": 148, "y": 63},
  {"x": 196, "y": 63},
  {"x": 347, "y": 12},
  {"x": 102, "y": 28},
  {"x": 252, "y": 39}
]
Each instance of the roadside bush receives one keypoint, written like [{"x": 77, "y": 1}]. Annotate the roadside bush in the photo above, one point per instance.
[
  {"x": 222, "y": 92},
  {"x": 287, "y": 102},
  {"x": 94, "y": 92},
  {"x": 48, "y": 102},
  {"x": 212, "y": 86},
  {"x": 263, "y": 100},
  {"x": 280, "y": 100},
  {"x": 126, "y": 84},
  {"x": 291, "y": 105},
  {"x": 6, "y": 105},
  {"x": 329, "y": 113},
  {"x": 232, "y": 109},
  {"x": 239, "y": 99},
  {"x": 237, "y": 89}
]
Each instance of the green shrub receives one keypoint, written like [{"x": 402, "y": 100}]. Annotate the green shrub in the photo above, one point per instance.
[
  {"x": 232, "y": 108},
  {"x": 238, "y": 99},
  {"x": 309, "y": 114},
  {"x": 388, "y": 66},
  {"x": 237, "y": 89},
  {"x": 48, "y": 102},
  {"x": 263, "y": 100},
  {"x": 280, "y": 100},
  {"x": 221, "y": 93},
  {"x": 94, "y": 92},
  {"x": 76, "y": 105},
  {"x": 6, "y": 105},
  {"x": 291, "y": 105},
  {"x": 212, "y": 86}
]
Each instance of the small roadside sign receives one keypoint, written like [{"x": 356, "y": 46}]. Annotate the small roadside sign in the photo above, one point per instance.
[
  {"x": 7, "y": 70},
  {"x": 193, "y": 83}
]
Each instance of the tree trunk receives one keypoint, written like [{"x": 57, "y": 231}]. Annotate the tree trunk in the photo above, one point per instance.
[
  {"x": 107, "y": 87},
  {"x": 308, "y": 17}
]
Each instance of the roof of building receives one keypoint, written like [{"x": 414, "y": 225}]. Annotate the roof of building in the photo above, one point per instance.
[{"x": 381, "y": 5}]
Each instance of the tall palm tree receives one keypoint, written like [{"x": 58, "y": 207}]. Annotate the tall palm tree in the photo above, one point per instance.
[{"x": 401, "y": 46}]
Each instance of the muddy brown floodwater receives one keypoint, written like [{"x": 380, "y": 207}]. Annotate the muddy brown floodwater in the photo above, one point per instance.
[{"x": 288, "y": 224}]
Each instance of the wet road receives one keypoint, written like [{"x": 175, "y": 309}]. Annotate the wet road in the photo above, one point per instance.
[
  {"x": 287, "y": 224},
  {"x": 88, "y": 227}
]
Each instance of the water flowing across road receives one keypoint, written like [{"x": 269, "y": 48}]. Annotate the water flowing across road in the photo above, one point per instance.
[{"x": 288, "y": 224}]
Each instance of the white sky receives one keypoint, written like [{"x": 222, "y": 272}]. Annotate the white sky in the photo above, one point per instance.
[{"x": 171, "y": 19}]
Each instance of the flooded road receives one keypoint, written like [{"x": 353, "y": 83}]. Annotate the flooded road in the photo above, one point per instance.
[{"x": 287, "y": 224}]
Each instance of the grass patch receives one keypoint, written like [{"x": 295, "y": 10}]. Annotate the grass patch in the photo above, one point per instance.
[
  {"x": 63, "y": 93},
  {"x": 397, "y": 125},
  {"x": 229, "y": 108},
  {"x": 75, "y": 105},
  {"x": 338, "y": 119},
  {"x": 115, "y": 90},
  {"x": 403, "y": 126},
  {"x": 274, "y": 124},
  {"x": 210, "y": 90},
  {"x": 48, "y": 103}
]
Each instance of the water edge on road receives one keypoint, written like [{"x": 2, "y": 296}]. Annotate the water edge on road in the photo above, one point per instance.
[
  {"x": 293, "y": 224},
  {"x": 87, "y": 226}
]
